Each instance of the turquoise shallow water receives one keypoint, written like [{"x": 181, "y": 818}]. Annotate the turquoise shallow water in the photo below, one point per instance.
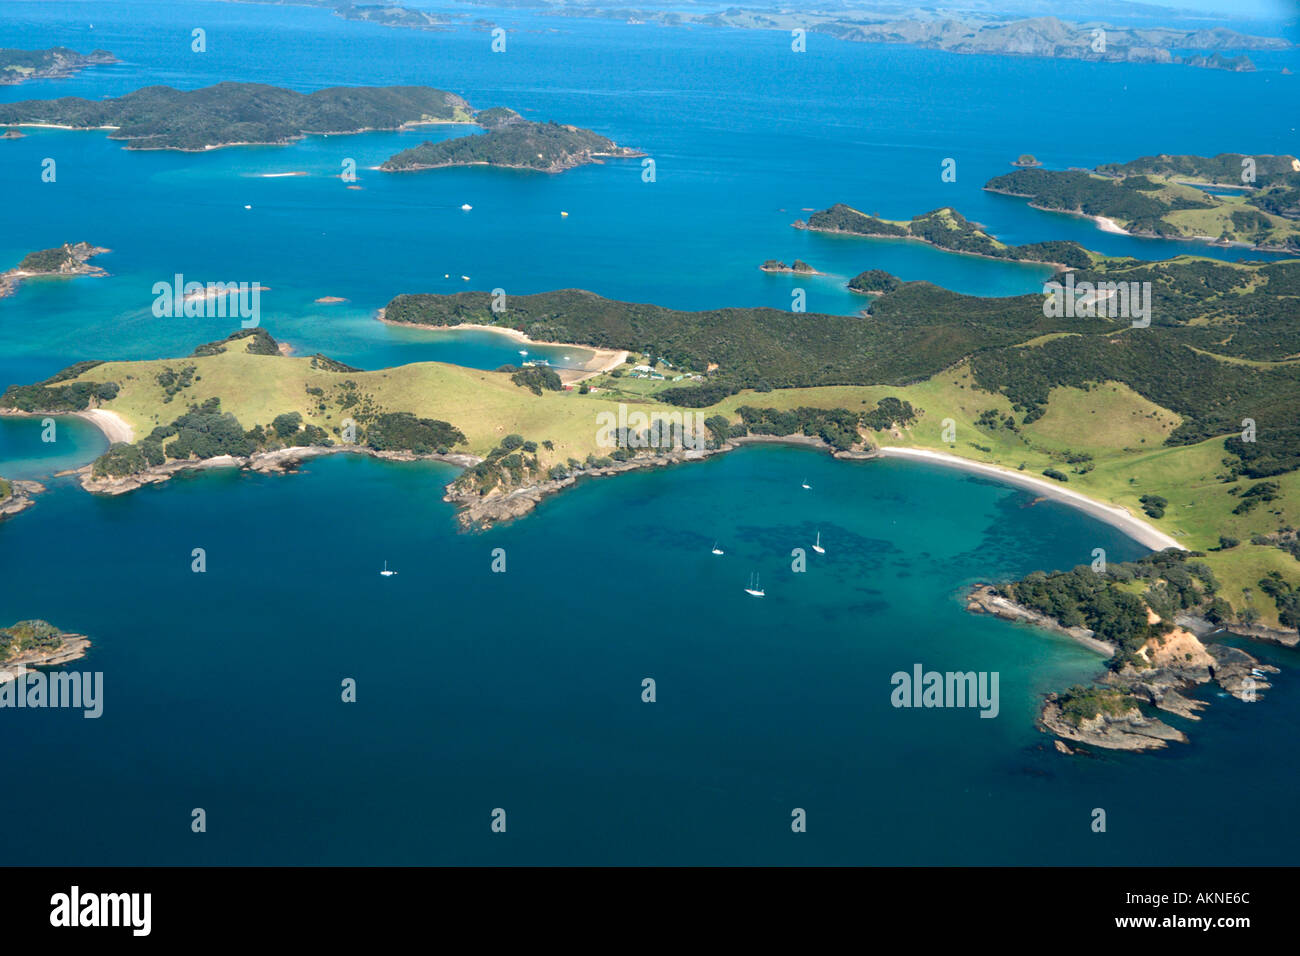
[
  {"x": 747, "y": 137},
  {"x": 522, "y": 690}
]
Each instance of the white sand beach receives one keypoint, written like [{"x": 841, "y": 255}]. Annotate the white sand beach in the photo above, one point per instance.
[
  {"x": 1113, "y": 515},
  {"x": 1110, "y": 225},
  {"x": 602, "y": 360},
  {"x": 114, "y": 426}
]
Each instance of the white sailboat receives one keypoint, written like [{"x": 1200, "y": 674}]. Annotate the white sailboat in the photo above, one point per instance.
[
  {"x": 818, "y": 546},
  {"x": 386, "y": 573},
  {"x": 755, "y": 586},
  {"x": 716, "y": 549},
  {"x": 805, "y": 484}
]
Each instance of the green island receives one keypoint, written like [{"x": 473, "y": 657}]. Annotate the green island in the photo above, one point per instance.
[
  {"x": 250, "y": 114},
  {"x": 1158, "y": 196},
  {"x": 227, "y": 114},
  {"x": 57, "y": 62},
  {"x": 946, "y": 229},
  {"x": 37, "y": 643},
  {"x": 514, "y": 142},
  {"x": 799, "y": 267},
  {"x": 70, "y": 259}
]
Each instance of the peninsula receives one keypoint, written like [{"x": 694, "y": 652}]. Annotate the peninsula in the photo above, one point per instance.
[
  {"x": 56, "y": 63},
  {"x": 1147, "y": 421},
  {"x": 946, "y": 229},
  {"x": 1158, "y": 196},
  {"x": 1143, "y": 427},
  {"x": 70, "y": 259}
]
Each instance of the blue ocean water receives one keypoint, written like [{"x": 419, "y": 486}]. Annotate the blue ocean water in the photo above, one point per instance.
[
  {"x": 747, "y": 137},
  {"x": 522, "y": 690}
]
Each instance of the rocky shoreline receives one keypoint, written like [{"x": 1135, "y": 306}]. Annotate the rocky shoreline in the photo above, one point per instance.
[
  {"x": 72, "y": 648},
  {"x": 74, "y": 265},
  {"x": 984, "y": 599},
  {"x": 20, "y": 497},
  {"x": 280, "y": 461},
  {"x": 480, "y": 512},
  {"x": 60, "y": 64},
  {"x": 1178, "y": 663},
  {"x": 1056, "y": 266}
]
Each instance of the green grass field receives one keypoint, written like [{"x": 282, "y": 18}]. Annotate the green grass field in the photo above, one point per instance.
[{"x": 1120, "y": 431}]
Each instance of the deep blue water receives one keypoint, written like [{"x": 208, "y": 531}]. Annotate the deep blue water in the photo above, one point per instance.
[{"x": 522, "y": 690}]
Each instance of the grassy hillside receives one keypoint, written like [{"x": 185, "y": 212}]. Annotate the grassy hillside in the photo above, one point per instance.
[
  {"x": 1150, "y": 196},
  {"x": 256, "y": 388}
]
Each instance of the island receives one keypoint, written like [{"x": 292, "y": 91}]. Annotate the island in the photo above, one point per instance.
[
  {"x": 37, "y": 643},
  {"x": 513, "y": 142},
  {"x": 1158, "y": 196},
  {"x": 800, "y": 267},
  {"x": 254, "y": 114},
  {"x": 1026, "y": 160},
  {"x": 228, "y": 114},
  {"x": 946, "y": 229},
  {"x": 874, "y": 282},
  {"x": 16, "y": 496},
  {"x": 56, "y": 63},
  {"x": 66, "y": 261}
]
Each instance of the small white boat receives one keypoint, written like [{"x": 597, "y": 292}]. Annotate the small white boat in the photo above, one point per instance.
[
  {"x": 466, "y": 278},
  {"x": 755, "y": 586},
  {"x": 716, "y": 549},
  {"x": 805, "y": 484},
  {"x": 466, "y": 207},
  {"x": 818, "y": 546},
  {"x": 563, "y": 213},
  {"x": 523, "y": 351},
  {"x": 248, "y": 207},
  {"x": 386, "y": 573}
]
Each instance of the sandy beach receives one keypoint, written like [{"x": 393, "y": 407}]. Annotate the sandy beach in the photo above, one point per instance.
[
  {"x": 1113, "y": 515},
  {"x": 113, "y": 425},
  {"x": 602, "y": 360},
  {"x": 1110, "y": 225}
]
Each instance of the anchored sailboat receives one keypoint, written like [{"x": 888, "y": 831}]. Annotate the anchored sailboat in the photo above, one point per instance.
[
  {"x": 818, "y": 546},
  {"x": 716, "y": 549},
  {"x": 755, "y": 587},
  {"x": 386, "y": 573}
]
